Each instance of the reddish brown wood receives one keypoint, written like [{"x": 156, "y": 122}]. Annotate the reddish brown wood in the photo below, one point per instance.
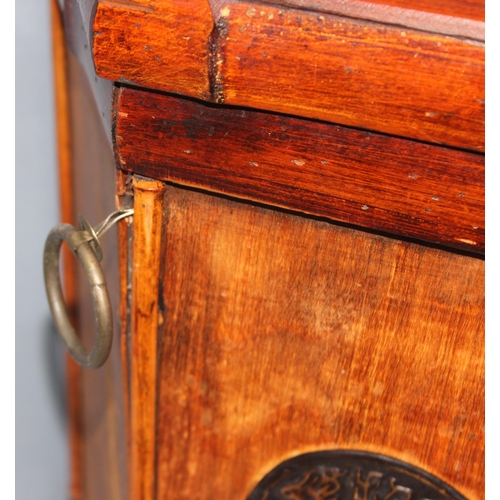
[
  {"x": 63, "y": 130},
  {"x": 467, "y": 9},
  {"x": 284, "y": 335},
  {"x": 382, "y": 78},
  {"x": 465, "y": 19},
  {"x": 255, "y": 335},
  {"x": 145, "y": 319},
  {"x": 354, "y": 72},
  {"x": 155, "y": 43},
  {"x": 379, "y": 182}
]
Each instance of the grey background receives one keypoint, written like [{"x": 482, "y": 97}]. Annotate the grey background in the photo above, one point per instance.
[{"x": 41, "y": 438}]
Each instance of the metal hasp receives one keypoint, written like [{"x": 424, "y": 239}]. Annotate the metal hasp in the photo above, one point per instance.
[{"x": 84, "y": 243}]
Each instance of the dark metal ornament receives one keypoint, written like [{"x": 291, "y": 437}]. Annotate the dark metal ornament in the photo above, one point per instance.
[{"x": 350, "y": 475}]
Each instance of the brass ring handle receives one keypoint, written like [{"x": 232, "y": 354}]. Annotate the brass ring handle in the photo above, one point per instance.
[{"x": 84, "y": 244}]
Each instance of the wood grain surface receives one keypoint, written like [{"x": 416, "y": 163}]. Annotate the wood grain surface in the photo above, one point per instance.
[
  {"x": 101, "y": 415},
  {"x": 285, "y": 335},
  {"x": 355, "y": 72},
  {"x": 146, "y": 258},
  {"x": 468, "y": 9},
  {"x": 465, "y": 19},
  {"x": 383, "y": 183},
  {"x": 155, "y": 43},
  {"x": 382, "y": 78}
]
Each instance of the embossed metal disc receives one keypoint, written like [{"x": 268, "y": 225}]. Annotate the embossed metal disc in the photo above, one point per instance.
[{"x": 350, "y": 475}]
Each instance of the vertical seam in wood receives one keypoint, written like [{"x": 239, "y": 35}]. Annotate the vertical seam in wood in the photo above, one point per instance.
[
  {"x": 215, "y": 60},
  {"x": 125, "y": 238}
]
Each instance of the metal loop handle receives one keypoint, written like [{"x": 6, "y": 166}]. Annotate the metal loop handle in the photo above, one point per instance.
[{"x": 83, "y": 243}]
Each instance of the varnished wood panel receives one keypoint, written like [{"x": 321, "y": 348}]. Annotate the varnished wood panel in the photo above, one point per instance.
[
  {"x": 354, "y": 72},
  {"x": 382, "y": 78},
  {"x": 155, "y": 43},
  {"x": 285, "y": 335},
  {"x": 102, "y": 412},
  {"x": 384, "y": 183},
  {"x": 468, "y": 9},
  {"x": 146, "y": 258},
  {"x": 465, "y": 19}
]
